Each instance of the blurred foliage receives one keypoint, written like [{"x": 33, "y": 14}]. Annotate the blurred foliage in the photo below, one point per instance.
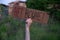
[
  {"x": 8, "y": 27},
  {"x": 3, "y": 9},
  {"x": 14, "y": 29},
  {"x": 46, "y": 5}
]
